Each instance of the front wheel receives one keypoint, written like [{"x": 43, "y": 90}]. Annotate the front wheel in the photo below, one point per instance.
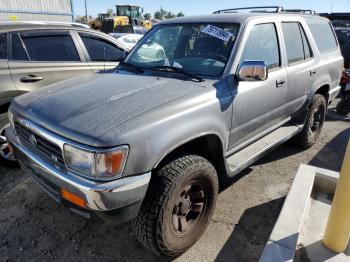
[
  {"x": 314, "y": 122},
  {"x": 343, "y": 107},
  {"x": 178, "y": 206},
  {"x": 6, "y": 156}
]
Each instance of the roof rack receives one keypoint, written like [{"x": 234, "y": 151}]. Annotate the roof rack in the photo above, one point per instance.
[
  {"x": 255, "y": 8},
  {"x": 264, "y": 9},
  {"x": 306, "y": 11}
]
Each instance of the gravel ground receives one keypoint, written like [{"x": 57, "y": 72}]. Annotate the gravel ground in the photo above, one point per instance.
[{"x": 34, "y": 228}]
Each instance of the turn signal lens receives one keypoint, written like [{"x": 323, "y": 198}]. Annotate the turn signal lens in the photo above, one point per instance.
[
  {"x": 73, "y": 198},
  {"x": 111, "y": 164}
]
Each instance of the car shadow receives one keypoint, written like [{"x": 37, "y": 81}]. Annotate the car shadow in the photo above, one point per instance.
[{"x": 251, "y": 232}]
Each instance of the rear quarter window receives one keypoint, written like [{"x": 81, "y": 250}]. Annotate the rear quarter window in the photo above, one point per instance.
[{"x": 323, "y": 34}]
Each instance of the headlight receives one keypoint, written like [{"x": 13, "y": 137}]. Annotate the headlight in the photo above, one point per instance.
[
  {"x": 10, "y": 116},
  {"x": 96, "y": 164}
]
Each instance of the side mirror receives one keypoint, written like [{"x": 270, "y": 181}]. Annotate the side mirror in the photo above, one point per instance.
[
  {"x": 253, "y": 71},
  {"x": 122, "y": 58}
]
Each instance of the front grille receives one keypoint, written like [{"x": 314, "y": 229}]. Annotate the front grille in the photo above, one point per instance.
[{"x": 43, "y": 146}]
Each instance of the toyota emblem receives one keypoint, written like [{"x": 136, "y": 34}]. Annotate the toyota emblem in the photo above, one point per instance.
[{"x": 33, "y": 141}]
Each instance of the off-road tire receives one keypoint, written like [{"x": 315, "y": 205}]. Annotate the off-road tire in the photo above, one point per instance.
[
  {"x": 308, "y": 136},
  {"x": 154, "y": 225},
  {"x": 3, "y": 161},
  {"x": 343, "y": 107}
]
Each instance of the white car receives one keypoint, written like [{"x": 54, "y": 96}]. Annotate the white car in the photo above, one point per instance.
[{"x": 129, "y": 40}]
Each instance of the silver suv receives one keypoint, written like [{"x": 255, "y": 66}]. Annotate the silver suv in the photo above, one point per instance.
[
  {"x": 33, "y": 55},
  {"x": 196, "y": 101}
]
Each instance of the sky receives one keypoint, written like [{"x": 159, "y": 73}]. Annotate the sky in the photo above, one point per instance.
[{"x": 195, "y": 7}]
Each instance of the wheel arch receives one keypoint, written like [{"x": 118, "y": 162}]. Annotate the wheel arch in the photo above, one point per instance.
[
  {"x": 323, "y": 90},
  {"x": 4, "y": 107},
  {"x": 210, "y": 146}
]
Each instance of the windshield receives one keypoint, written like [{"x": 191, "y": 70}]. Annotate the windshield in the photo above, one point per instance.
[
  {"x": 201, "y": 49},
  {"x": 129, "y": 11}
]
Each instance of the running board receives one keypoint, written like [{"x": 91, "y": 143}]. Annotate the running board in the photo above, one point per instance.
[{"x": 248, "y": 155}]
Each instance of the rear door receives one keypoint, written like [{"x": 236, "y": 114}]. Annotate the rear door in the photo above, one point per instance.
[
  {"x": 301, "y": 69},
  {"x": 101, "y": 52},
  {"x": 42, "y": 57},
  {"x": 7, "y": 88},
  {"x": 259, "y": 104}
]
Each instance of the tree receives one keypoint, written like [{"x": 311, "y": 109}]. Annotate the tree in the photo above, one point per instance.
[
  {"x": 161, "y": 14},
  {"x": 170, "y": 15},
  {"x": 148, "y": 16},
  {"x": 180, "y": 14},
  {"x": 109, "y": 12},
  {"x": 157, "y": 15}
]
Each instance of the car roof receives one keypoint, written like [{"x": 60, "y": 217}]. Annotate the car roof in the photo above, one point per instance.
[
  {"x": 15, "y": 26},
  {"x": 229, "y": 17}
]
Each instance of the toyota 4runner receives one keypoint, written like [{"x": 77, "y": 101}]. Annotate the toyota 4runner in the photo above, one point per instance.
[{"x": 195, "y": 102}]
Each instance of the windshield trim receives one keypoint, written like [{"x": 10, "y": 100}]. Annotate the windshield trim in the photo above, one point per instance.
[{"x": 229, "y": 62}]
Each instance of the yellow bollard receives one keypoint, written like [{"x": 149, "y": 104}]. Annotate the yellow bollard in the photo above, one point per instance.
[{"x": 337, "y": 233}]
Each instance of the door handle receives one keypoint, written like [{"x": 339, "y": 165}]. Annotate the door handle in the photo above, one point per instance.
[
  {"x": 31, "y": 79},
  {"x": 313, "y": 72},
  {"x": 280, "y": 83}
]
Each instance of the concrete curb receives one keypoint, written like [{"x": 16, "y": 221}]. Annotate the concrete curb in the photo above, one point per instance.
[{"x": 283, "y": 240}]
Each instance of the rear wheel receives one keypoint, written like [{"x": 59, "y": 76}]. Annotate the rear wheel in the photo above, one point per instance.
[
  {"x": 178, "y": 206},
  {"x": 343, "y": 107},
  {"x": 6, "y": 156},
  {"x": 314, "y": 122}
]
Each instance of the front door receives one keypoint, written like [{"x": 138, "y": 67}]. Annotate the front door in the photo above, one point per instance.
[
  {"x": 259, "y": 105},
  {"x": 102, "y": 54}
]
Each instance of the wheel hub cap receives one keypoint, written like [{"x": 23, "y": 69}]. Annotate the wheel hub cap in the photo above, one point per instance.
[
  {"x": 188, "y": 208},
  {"x": 5, "y": 151}
]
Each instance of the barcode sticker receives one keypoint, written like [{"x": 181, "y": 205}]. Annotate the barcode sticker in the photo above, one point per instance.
[{"x": 217, "y": 32}]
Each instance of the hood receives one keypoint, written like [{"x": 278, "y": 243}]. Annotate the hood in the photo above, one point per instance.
[{"x": 83, "y": 108}]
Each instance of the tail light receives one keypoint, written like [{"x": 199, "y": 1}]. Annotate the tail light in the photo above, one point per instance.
[{"x": 345, "y": 77}]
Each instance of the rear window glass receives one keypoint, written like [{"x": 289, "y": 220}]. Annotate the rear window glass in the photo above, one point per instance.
[
  {"x": 3, "y": 46},
  {"x": 52, "y": 47},
  {"x": 297, "y": 45},
  {"x": 323, "y": 34},
  {"x": 17, "y": 49}
]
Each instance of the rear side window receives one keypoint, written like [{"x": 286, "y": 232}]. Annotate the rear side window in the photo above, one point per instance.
[
  {"x": 100, "y": 49},
  {"x": 18, "y": 52},
  {"x": 3, "y": 46},
  {"x": 323, "y": 34},
  {"x": 50, "y": 47},
  {"x": 262, "y": 45},
  {"x": 297, "y": 45}
]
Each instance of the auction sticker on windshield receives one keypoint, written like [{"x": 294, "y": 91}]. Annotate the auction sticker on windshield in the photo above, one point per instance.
[{"x": 217, "y": 32}]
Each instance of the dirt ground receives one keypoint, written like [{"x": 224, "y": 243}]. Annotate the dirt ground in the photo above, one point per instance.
[{"x": 34, "y": 228}]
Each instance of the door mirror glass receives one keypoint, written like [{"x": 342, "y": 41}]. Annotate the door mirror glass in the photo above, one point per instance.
[{"x": 253, "y": 71}]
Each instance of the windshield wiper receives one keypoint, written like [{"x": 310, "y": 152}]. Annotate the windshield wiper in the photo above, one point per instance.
[
  {"x": 131, "y": 66},
  {"x": 177, "y": 70}
]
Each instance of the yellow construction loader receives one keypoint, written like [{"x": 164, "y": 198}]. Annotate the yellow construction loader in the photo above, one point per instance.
[{"x": 128, "y": 19}]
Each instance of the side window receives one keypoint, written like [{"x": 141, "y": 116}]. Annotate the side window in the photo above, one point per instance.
[
  {"x": 306, "y": 44},
  {"x": 323, "y": 34},
  {"x": 262, "y": 45},
  {"x": 18, "y": 52},
  {"x": 100, "y": 49},
  {"x": 3, "y": 46},
  {"x": 50, "y": 47},
  {"x": 293, "y": 41}
]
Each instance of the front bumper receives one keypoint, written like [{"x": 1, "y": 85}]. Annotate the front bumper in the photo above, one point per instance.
[{"x": 122, "y": 196}]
